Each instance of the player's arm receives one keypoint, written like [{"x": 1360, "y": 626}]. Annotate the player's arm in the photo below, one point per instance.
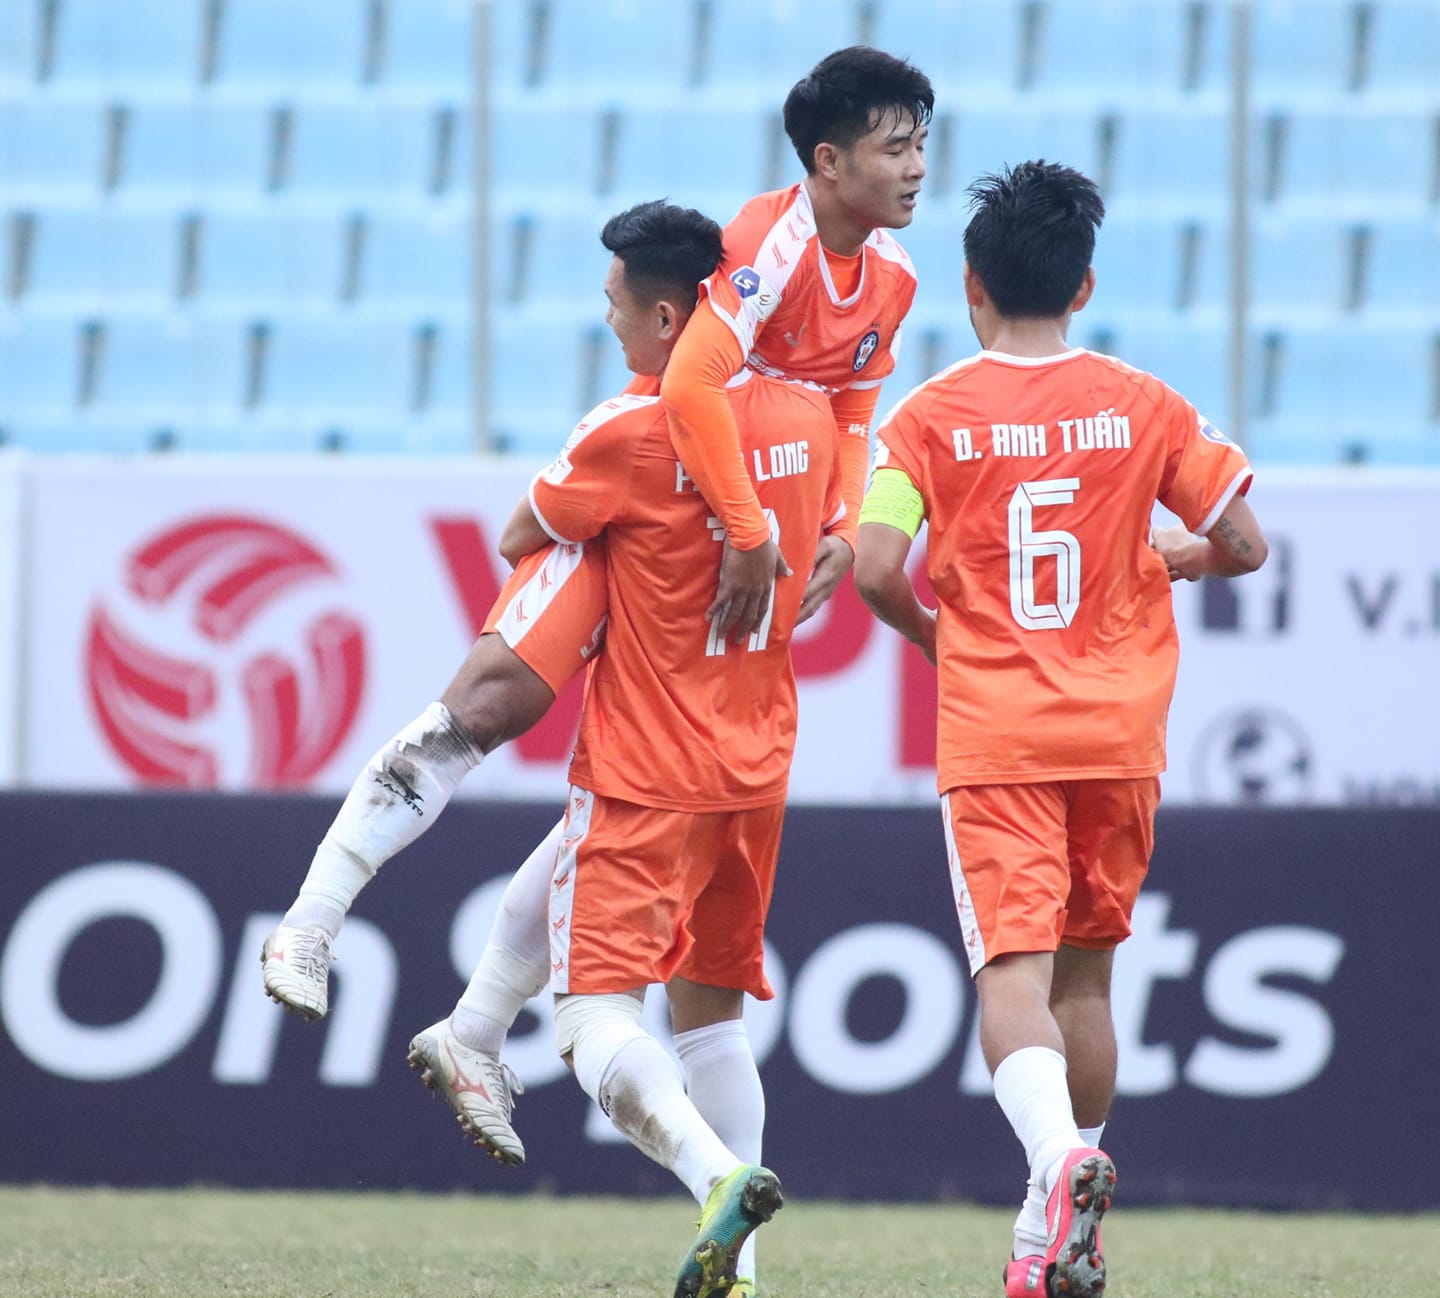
[
  {"x": 523, "y": 534},
  {"x": 834, "y": 555},
  {"x": 1233, "y": 546},
  {"x": 889, "y": 520},
  {"x": 707, "y": 442},
  {"x": 853, "y": 409}
]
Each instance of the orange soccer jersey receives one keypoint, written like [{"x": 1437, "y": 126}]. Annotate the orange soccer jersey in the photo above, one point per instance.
[
  {"x": 675, "y": 718},
  {"x": 782, "y": 306},
  {"x": 776, "y": 291},
  {"x": 1056, "y": 640}
]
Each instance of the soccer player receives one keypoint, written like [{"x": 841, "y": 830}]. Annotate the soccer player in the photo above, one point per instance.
[
  {"x": 1036, "y": 467},
  {"x": 672, "y": 828},
  {"x": 811, "y": 288}
]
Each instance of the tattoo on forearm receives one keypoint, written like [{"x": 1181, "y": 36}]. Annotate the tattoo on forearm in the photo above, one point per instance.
[{"x": 1230, "y": 535}]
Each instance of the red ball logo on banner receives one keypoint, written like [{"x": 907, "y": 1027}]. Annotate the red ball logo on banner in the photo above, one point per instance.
[{"x": 216, "y": 626}]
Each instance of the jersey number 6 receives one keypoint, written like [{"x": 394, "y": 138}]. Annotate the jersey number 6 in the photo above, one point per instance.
[{"x": 1027, "y": 546}]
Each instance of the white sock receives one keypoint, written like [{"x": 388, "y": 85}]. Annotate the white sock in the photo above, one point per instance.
[
  {"x": 392, "y": 802},
  {"x": 724, "y": 1086},
  {"x": 1031, "y": 1235},
  {"x": 1030, "y": 1086},
  {"x": 627, "y": 1072},
  {"x": 515, "y": 964}
]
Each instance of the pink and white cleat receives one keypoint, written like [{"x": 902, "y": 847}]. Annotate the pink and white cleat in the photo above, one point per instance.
[
  {"x": 1081, "y": 1194},
  {"x": 1025, "y": 1277}
]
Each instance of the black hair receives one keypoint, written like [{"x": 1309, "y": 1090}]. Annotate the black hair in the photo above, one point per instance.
[
  {"x": 839, "y": 101},
  {"x": 667, "y": 250},
  {"x": 1032, "y": 236}
]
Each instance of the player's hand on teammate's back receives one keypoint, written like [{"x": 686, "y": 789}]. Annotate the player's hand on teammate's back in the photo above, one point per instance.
[
  {"x": 833, "y": 559},
  {"x": 747, "y": 583}
]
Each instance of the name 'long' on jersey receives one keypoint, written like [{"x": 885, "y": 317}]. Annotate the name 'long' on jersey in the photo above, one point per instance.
[
  {"x": 1056, "y": 639},
  {"x": 673, "y": 716}
]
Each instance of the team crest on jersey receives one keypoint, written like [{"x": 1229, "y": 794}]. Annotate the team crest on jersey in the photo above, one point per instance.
[
  {"x": 1212, "y": 434},
  {"x": 746, "y": 280},
  {"x": 865, "y": 350}
]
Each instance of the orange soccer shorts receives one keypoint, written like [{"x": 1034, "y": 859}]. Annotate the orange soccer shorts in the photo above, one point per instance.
[
  {"x": 640, "y": 894},
  {"x": 1034, "y": 865},
  {"x": 552, "y": 610}
]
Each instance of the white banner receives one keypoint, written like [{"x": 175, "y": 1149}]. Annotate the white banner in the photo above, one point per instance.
[{"x": 250, "y": 624}]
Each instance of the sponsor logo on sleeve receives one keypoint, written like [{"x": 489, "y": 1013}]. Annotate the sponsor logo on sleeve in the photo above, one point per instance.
[
  {"x": 1212, "y": 434},
  {"x": 746, "y": 280}
]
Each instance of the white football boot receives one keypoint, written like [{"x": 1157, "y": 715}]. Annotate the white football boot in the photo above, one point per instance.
[
  {"x": 297, "y": 969},
  {"x": 476, "y": 1085}
]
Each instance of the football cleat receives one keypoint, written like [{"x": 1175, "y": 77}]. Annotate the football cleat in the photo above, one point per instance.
[
  {"x": 297, "y": 969},
  {"x": 476, "y": 1085},
  {"x": 1074, "y": 1262},
  {"x": 1025, "y": 1277},
  {"x": 737, "y": 1204}
]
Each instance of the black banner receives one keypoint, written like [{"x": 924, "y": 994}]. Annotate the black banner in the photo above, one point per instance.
[{"x": 1273, "y": 1007}]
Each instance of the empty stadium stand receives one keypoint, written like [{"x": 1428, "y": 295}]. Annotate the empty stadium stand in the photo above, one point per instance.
[{"x": 254, "y": 224}]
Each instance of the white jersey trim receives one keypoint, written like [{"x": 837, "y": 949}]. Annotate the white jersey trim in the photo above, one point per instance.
[{"x": 1213, "y": 517}]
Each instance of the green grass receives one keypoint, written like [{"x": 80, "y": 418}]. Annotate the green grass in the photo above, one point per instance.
[{"x": 196, "y": 1243}]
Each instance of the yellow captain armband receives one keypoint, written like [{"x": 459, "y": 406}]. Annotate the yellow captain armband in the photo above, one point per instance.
[{"x": 894, "y": 500}]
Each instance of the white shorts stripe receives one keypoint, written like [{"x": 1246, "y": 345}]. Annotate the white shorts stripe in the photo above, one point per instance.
[
  {"x": 964, "y": 908},
  {"x": 530, "y": 601},
  {"x": 562, "y": 885}
]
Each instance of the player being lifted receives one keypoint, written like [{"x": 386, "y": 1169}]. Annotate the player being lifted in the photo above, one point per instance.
[
  {"x": 811, "y": 288},
  {"x": 1036, "y": 467}
]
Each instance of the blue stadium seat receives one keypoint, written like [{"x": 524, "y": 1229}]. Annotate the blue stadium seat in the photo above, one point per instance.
[
  {"x": 295, "y": 48},
  {"x": 768, "y": 45},
  {"x": 1158, "y": 264},
  {"x": 586, "y": 41},
  {"x": 19, "y": 47},
  {"x": 694, "y": 156},
  {"x": 1126, "y": 51},
  {"x": 253, "y": 261},
  {"x": 971, "y": 52},
  {"x": 1403, "y": 274},
  {"x": 451, "y": 389},
  {"x": 339, "y": 366},
  {"x": 429, "y": 44},
  {"x": 555, "y": 259},
  {"x": 102, "y": 261},
  {"x": 1405, "y": 52},
  {"x": 1299, "y": 270},
  {"x": 363, "y": 149},
  {"x": 144, "y": 44},
  {"x": 172, "y": 369},
  {"x": 1173, "y": 162},
  {"x": 988, "y": 138},
  {"x": 1359, "y": 393},
  {"x": 1346, "y": 162},
  {"x": 39, "y": 365},
  {"x": 419, "y": 261},
  {"x": 537, "y": 378},
  {"x": 51, "y": 149},
  {"x": 196, "y": 148},
  {"x": 1301, "y": 51},
  {"x": 544, "y": 155}
]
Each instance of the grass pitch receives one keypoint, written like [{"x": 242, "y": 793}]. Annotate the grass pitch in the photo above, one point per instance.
[{"x": 197, "y": 1243}]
